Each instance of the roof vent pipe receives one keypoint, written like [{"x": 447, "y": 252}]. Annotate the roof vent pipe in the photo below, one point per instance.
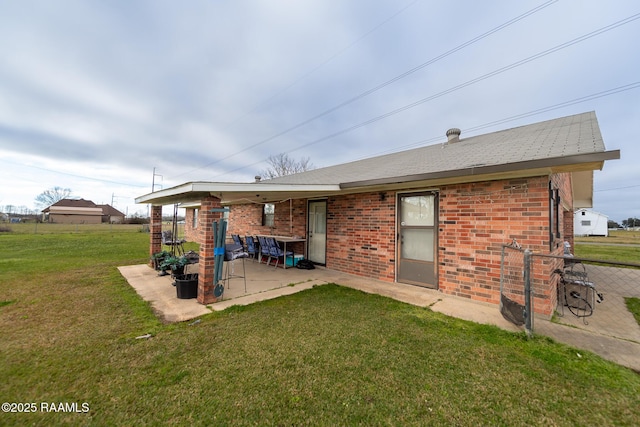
[
  {"x": 257, "y": 178},
  {"x": 453, "y": 135}
]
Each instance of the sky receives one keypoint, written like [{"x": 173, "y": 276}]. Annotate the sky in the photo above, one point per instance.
[{"x": 112, "y": 99}]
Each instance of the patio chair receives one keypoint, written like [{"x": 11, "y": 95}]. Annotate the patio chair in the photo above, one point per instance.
[
  {"x": 237, "y": 240},
  {"x": 264, "y": 249},
  {"x": 252, "y": 250},
  {"x": 276, "y": 252},
  {"x": 174, "y": 244},
  {"x": 231, "y": 254}
]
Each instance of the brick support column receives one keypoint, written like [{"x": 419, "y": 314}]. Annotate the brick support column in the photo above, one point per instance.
[
  {"x": 155, "y": 232},
  {"x": 207, "y": 246}
]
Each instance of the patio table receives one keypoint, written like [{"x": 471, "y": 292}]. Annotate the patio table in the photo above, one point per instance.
[{"x": 288, "y": 239}]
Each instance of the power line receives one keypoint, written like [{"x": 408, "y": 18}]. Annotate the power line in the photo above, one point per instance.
[
  {"x": 591, "y": 97},
  {"x": 325, "y": 62},
  {"x": 72, "y": 175},
  {"x": 601, "y": 94},
  {"x": 380, "y": 86},
  {"x": 617, "y": 188},
  {"x": 478, "y": 79}
]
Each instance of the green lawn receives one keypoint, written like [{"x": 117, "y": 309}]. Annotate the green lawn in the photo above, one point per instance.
[
  {"x": 633, "y": 304},
  {"x": 612, "y": 253},
  {"x": 615, "y": 247},
  {"x": 326, "y": 356}
]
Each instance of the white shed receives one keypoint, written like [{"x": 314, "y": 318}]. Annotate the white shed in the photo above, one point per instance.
[{"x": 589, "y": 223}]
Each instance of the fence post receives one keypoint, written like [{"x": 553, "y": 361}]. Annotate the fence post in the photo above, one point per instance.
[{"x": 528, "y": 312}]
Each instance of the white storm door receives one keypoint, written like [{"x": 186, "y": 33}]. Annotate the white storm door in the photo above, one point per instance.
[{"x": 317, "y": 238}]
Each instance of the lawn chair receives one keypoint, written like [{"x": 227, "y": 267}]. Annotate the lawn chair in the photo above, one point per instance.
[
  {"x": 276, "y": 252},
  {"x": 237, "y": 240},
  {"x": 252, "y": 250},
  {"x": 264, "y": 249}
]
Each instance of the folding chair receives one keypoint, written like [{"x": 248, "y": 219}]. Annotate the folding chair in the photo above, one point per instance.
[
  {"x": 252, "y": 250},
  {"x": 276, "y": 252}
]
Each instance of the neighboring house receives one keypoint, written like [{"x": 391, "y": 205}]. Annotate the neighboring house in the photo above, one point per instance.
[
  {"x": 80, "y": 211},
  {"x": 590, "y": 223},
  {"x": 111, "y": 215},
  {"x": 435, "y": 216}
]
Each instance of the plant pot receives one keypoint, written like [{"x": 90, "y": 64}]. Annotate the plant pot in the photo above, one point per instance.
[
  {"x": 178, "y": 271},
  {"x": 187, "y": 286},
  {"x": 157, "y": 262}
]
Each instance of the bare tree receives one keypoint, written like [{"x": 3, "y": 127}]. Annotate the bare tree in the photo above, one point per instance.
[
  {"x": 281, "y": 164},
  {"x": 51, "y": 196}
]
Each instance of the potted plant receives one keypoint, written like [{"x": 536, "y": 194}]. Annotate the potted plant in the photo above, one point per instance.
[
  {"x": 158, "y": 259},
  {"x": 175, "y": 264}
]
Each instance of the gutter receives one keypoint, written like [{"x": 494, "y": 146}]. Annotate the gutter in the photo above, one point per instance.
[{"x": 552, "y": 162}]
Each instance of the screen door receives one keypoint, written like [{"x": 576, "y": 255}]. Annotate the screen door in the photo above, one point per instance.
[{"x": 417, "y": 232}]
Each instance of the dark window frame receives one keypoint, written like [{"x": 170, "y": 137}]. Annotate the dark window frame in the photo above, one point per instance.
[{"x": 554, "y": 215}]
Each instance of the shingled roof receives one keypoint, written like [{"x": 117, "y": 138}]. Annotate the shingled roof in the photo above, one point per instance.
[
  {"x": 559, "y": 141},
  {"x": 568, "y": 144}
]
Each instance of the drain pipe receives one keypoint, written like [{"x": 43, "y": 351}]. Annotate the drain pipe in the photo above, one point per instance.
[{"x": 528, "y": 309}]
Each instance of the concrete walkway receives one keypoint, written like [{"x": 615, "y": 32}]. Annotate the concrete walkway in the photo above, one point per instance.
[{"x": 267, "y": 282}]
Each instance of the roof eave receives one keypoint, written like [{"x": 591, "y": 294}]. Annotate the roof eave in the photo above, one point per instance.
[
  {"x": 195, "y": 191},
  {"x": 589, "y": 161}
]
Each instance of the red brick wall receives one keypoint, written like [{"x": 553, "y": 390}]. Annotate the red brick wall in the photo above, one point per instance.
[
  {"x": 290, "y": 219},
  {"x": 361, "y": 234},
  {"x": 155, "y": 231},
  {"x": 190, "y": 232},
  {"x": 206, "y": 265},
  {"x": 477, "y": 219}
]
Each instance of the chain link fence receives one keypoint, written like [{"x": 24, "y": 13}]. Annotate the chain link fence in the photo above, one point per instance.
[{"x": 592, "y": 304}]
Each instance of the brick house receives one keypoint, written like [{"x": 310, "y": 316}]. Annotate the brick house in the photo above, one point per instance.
[
  {"x": 81, "y": 211},
  {"x": 435, "y": 216}
]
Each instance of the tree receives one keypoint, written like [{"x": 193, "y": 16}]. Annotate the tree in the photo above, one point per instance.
[
  {"x": 631, "y": 222},
  {"x": 281, "y": 165},
  {"x": 51, "y": 196},
  {"x": 612, "y": 224}
]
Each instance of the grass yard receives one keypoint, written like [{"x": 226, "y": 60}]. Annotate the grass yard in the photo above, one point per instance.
[
  {"x": 616, "y": 247},
  {"x": 633, "y": 304},
  {"x": 615, "y": 237},
  {"x": 326, "y": 356},
  {"x": 612, "y": 253}
]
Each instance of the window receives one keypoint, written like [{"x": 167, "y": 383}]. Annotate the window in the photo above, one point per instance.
[
  {"x": 268, "y": 214},
  {"x": 586, "y": 223},
  {"x": 195, "y": 218}
]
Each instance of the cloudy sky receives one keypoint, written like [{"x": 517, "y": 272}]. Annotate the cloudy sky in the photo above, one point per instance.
[{"x": 94, "y": 95}]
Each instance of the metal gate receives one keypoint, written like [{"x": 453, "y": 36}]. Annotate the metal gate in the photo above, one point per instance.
[{"x": 515, "y": 286}]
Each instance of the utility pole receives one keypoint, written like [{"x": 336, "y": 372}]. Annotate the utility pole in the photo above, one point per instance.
[
  {"x": 153, "y": 188},
  {"x": 153, "y": 181}
]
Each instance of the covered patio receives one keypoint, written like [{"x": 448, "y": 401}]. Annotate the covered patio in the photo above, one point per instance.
[{"x": 213, "y": 199}]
